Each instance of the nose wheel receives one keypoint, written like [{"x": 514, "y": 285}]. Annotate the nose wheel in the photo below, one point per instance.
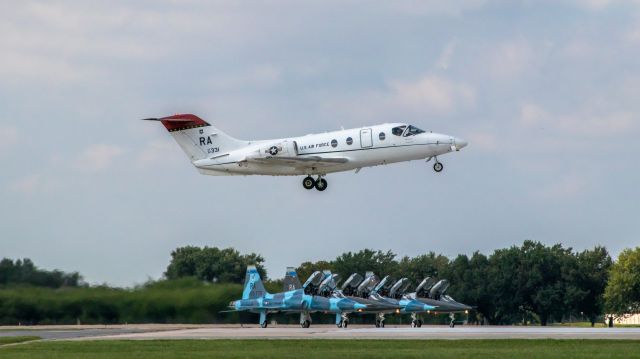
[
  {"x": 438, "y": 166},
  {"x": 320, "y": 184}
]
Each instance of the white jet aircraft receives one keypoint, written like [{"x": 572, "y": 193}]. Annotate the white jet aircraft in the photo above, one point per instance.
[{"x": 215, "y": 153}]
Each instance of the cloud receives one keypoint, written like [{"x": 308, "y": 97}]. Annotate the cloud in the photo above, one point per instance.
[
  {"x": 435, "y": 7},
  {"x": 98, "y": 157},
  {"x": 431, "y": 94},
  {"x": 564, "y": 187},
  {"x": 256, "y": 77},
  {"x": 8, "y": 137},
  {"x": 445, "y": 58},
  {"x": 483, "y": 141},
  {"x": 158, "y": 152},
  {"x": 28, "y": 185},
  {"x": 585, "y": 122},
  {"x": 511, "y": 58}
]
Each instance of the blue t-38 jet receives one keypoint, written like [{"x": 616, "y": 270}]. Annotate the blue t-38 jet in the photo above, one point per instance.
[{"x": 256, "y": 299}]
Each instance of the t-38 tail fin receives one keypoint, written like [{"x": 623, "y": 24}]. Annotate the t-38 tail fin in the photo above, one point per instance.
[
  {"x": 253, "y": 287},
  {"x": 291, "y": 280}
]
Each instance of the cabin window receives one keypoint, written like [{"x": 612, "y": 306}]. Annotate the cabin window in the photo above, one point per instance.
[
  {"x": 349, "y": 141},
  {"x": 412, "y": 130},
  {"x": 334, "y": 143},
  {"x": 382, "y": 136},
  {"x": 398, "y": 130}
]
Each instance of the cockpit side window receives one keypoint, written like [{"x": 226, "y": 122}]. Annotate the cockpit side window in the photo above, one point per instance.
[
  {"x": 398, "y": 130},
  {"x": 412, "y": 130}
]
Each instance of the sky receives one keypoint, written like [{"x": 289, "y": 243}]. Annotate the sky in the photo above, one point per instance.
[{"x": 546, "y": 93}]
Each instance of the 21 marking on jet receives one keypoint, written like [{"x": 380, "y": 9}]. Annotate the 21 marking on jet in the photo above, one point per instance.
[{"x": 215, "y": 153}]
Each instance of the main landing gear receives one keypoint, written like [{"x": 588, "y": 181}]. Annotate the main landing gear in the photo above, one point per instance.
[
  {"x": 342, "y": 320},
  {"x": 263, "y": 319},
  {"x": 416, "y": 322},
  {"x": 380, "y": 320},
  {"x": 305, "y": 320},
  {"x": 320, "y": 184}
]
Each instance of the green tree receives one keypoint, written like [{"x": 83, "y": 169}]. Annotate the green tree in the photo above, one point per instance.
[
  {"x": 592, "y": 277},
  {"x": 381, "y": 263},
  {"x": 468, "y": 277},
  {"x": 212, "y": 264},
  {"x": 502, "y": 283},
  {"x": 422, "y": 266},
  {"x": 622, "y": 294},
  {"x": 25, "y": 272}
]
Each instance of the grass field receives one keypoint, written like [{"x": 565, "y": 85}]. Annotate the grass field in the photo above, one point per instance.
[
  {"x": 12, "y": 340},
  {"x": 324, "y": 349}
]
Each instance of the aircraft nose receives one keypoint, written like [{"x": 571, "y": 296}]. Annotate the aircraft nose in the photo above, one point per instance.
[{"x": 460, "y": 143}]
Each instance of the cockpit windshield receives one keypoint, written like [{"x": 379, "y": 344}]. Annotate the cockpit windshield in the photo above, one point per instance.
[
  {"x": 412, "y": 130},
  {"x": 398, "y": 130}
]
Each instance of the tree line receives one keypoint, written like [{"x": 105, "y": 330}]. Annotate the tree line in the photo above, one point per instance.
[{"x": 530, "y": 283}]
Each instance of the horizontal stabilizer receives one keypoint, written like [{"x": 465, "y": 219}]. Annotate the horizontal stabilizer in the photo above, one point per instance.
[{"x": 180, "y": 122}]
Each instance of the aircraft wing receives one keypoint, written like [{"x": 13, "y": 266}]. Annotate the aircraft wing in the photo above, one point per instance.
[{"x": 299, "y": 162}]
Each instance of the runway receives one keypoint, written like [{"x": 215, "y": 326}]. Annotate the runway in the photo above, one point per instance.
[{"x": 357, "y": 332}]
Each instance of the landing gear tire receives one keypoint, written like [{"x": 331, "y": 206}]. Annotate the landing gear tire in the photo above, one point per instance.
[
  {"x": 308, "y": 183},
  {"x": 344, "y": 324},
  {"x": 414, "y": 323},
  {"x": 305, "y": 324},
  {"x": 419, "y": 323},
  {"x": 263, "y": 324},
  {"x": 452, "y": 324},
  {"x": 377, "y": 324},
  {"x": 321, "y": 184},
  {"x": 438, "y": 167}
]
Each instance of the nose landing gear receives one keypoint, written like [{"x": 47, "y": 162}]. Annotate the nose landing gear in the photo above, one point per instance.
[
  {"x": 438, "y": 166},
  {"x": 320, "y": 184}
]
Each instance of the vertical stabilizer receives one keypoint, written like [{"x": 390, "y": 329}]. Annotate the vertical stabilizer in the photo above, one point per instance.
[
  {"x": 253, "y": 287},
  {"x": 291, "y": 280},
  {"x": 197, "y": 138}
]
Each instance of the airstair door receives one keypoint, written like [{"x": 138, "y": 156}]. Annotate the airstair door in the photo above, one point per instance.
[{"x": 366, "y": 138}]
